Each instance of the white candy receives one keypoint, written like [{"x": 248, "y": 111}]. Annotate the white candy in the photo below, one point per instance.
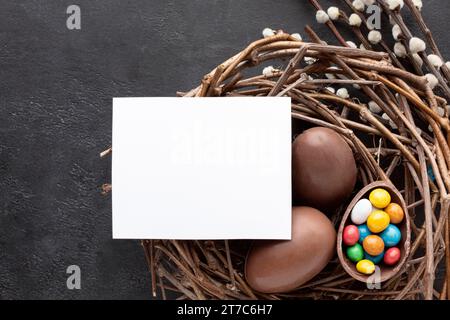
[
  {"x": 354, "y": 20},
  {"x": 418, "y": 59},
  {"x": 399, "y": 50},
  {"x": 432, "y": 80},
  {"x": 395, "y": 4},
  {"x": 322, "y": 17},
  {"x": 374, "y": 36},
  {"x": 417, "y": 45},
  {"x": 358, "y": 5},
  {"x": 297, "y": 36},
  {"x": 361, "y": 211},
  {"x": 374, "y": 107},
  {"x": 418, "y": 4},
  {"x": 333, "y": 13},
  {"x": 435, "y": 60},
  {"x": 396, "y": 31},
  {"x": 351, "y": 44},
  {"x": 267, "y": 32},
  {"x": 343, "y": 93},
  {"x": 269, "y": 71}
]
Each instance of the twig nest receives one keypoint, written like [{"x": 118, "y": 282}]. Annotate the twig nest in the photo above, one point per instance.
[
  {"x": 322, "y": 16},
  {"x": 399, "y": 50},
  {"x": 374, "y": 37},
  {"x": 297, "y": 36},
  {"x": 351, "y": 44},
  {"x": 435, "y": 60},
  {"x": 395, "y": 4},
  {"x": 358, "y": 5},
  {"x": 374, "y": 107},
  {"x": 268, "y": 32},
  {"x": 432, "y": 80},
  {"x": 418, "y": 59},
  {"x": 354, "y": 20},
  {"x": 269, "y": 71},
  {"x": 417, "y": 45},
  {"x": 418, "y": 4},
  {"x": 333, "y": 13},
  {"x": 396, "y": 31},
  {"x": 343, "y": 93}
]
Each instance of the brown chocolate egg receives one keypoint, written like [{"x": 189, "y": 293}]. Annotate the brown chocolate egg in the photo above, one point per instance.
[
  {"x": 323, "y": 169},
  {"x": 281, "y": 266}
]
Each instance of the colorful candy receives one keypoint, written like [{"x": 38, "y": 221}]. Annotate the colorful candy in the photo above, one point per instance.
[
  {"x": 391, "y": 236},
  {"x": 355, "y": 253},
  {"x": 363, "y": 232},
  {"x": 375, "y": 259},
  {"x": 395, "y": 212},
  {"x": 380, "y": 198},
  {"x": 392, "y": 256},
  {"x": 350, "y": 236},
  {"x": 373, "y": 245},
  {"x": 378, "y": 221},
  {"x": 365, "y": 266},
  {"x": 361, "y": 211}
]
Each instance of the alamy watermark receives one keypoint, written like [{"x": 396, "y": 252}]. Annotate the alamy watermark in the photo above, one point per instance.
[
  {"x": 73, "y": 21},
  {"x": 74, "y": 278}
]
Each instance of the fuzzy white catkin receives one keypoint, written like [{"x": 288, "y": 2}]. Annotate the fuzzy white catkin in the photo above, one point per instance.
[
  {"x": 358, "y": 5},
  {"x": 333, "y": 13},
  {"x": 361, "y": 46},
  {"x": 385, "y": 117},
  {"x": 374, "y": 36},
  {"x": 432, "y": 80},
  {"x": 343, "y": 93},
  {"x": 396, "y": 31},
  {"x": 417, "y": 45},
  {"x": 267, "y": 32},
  {"x": 354, "y": 20},
  {"x": 447, "y": 64},
  {"x": 392, "y": 124},
  {"x": 330, "y": 76},
  {"x": 418, "y": 59},
  {"x": 309, "y": 60},
  {"x": 331, "y": 89},
  {"x": 395, "y": 4},
  {"x": 297, "y": 36},
  {"x": 441, "y": 111},
  {"x": 418, "y": 4},
  {"x": 269, "y": 71},
  {"x": 351, "y": 44},
  {"x": 322, "y": 17},
  {"x": 399, "y": 50},
  {"x": 435, "y": 60},
  {"x": 374, "y": 107}
]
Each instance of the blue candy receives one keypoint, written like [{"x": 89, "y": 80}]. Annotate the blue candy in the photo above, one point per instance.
[
  {"x": 375, "y": 259},
  {"x": 363, "y": 232},
  {"x": 391, "y": 236}
]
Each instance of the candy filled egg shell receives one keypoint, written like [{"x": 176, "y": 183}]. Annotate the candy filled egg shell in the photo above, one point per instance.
[{"x": 361, "y": 211}]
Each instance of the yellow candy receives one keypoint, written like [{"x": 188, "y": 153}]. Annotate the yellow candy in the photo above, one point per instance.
[
  {"x": 365, "y": 266},
  {"x": 378, "y": 221},
  {"x": 380, "y": 198}
]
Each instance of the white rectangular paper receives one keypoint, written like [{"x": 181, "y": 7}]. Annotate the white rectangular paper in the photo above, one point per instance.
[{"x": 201, "y": 168}]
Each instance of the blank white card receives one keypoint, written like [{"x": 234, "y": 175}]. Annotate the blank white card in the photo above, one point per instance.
[{"x": 201, "y": 168}]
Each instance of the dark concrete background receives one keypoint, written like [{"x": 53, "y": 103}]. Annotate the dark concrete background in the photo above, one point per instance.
[{"x": 56, "y": 87}]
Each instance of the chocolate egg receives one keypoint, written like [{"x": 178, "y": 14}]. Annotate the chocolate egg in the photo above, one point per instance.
[
  {"x": 323, "y": 169},
  {"x": 281, "y": 266}
]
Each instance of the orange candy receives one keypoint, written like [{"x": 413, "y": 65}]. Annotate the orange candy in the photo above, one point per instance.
[
  {"x": 395, "y": 212},
  {"x": 373, "y": 245}
]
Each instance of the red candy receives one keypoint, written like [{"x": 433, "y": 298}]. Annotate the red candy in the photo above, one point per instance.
[
  {"x": 350, "y": 236},
  {"x": 392, "y": 256}
]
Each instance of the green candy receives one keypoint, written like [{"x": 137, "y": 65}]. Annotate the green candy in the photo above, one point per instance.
[{"x": 355, "y": 253}]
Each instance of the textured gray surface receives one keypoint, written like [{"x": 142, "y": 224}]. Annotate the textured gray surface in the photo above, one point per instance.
[{"x": 56, "y": 87}]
